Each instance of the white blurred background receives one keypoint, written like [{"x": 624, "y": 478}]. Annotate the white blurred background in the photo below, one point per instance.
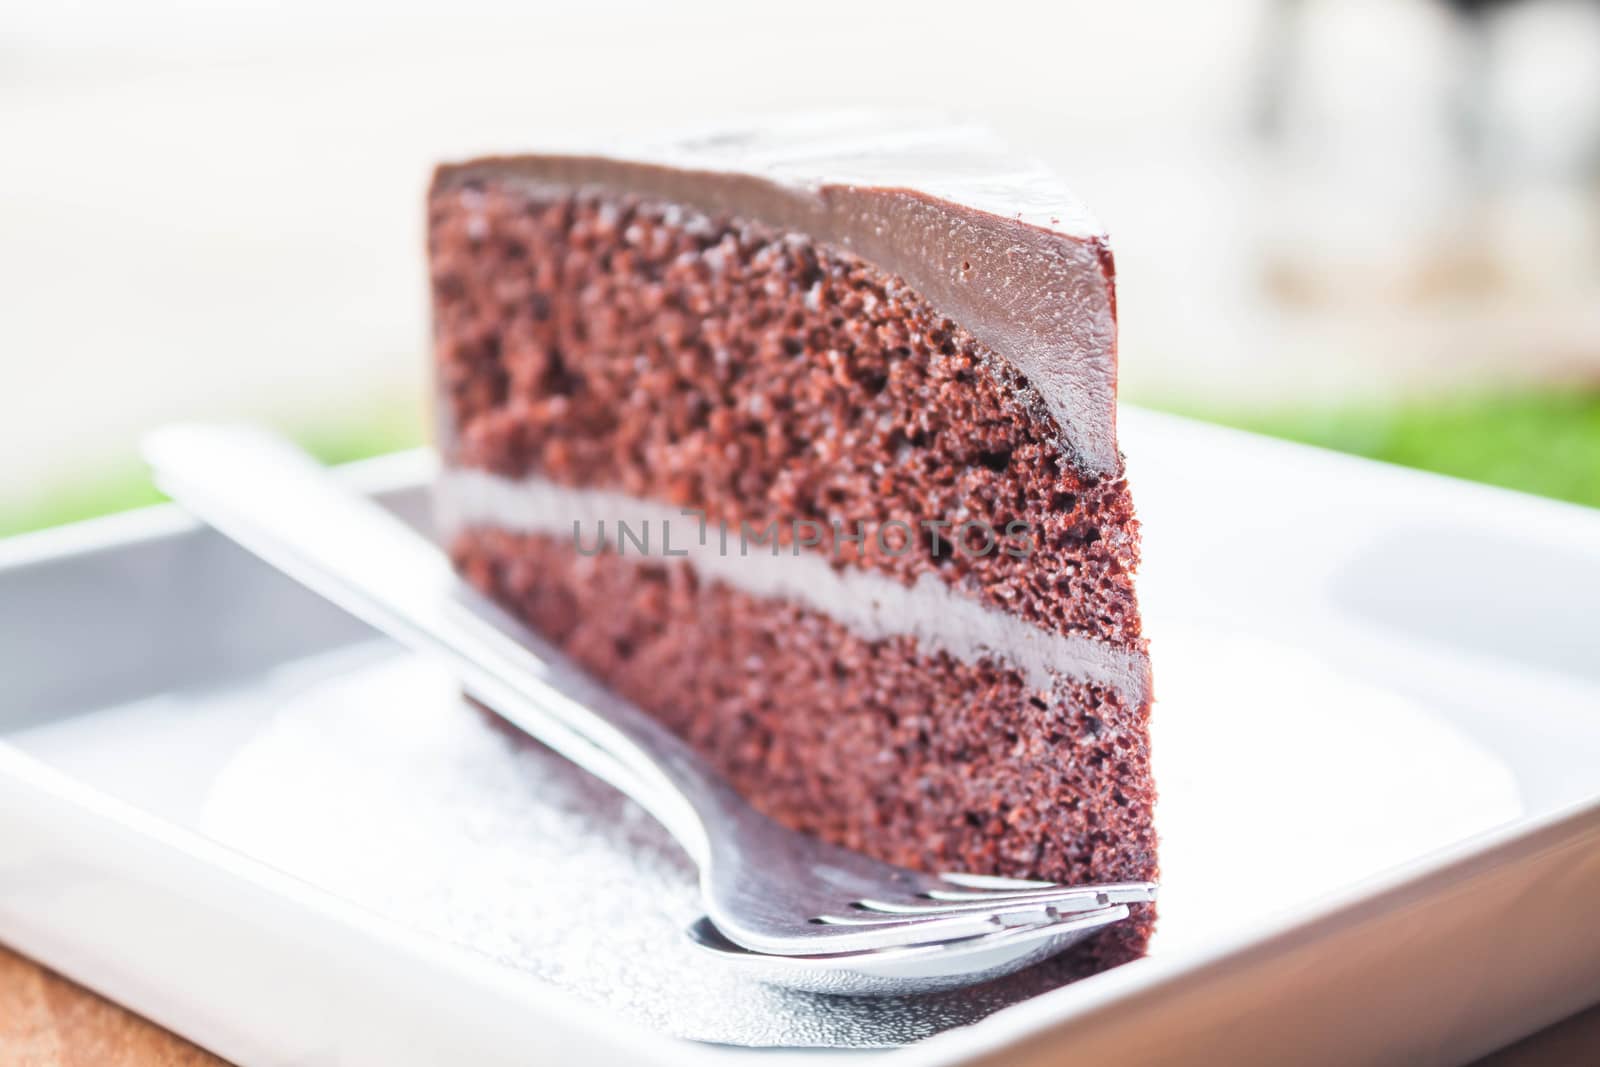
[{"x": 217, "y": 208}]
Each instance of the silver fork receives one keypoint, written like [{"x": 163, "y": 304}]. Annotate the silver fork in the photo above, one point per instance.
[{"x": 765, "y": 887}]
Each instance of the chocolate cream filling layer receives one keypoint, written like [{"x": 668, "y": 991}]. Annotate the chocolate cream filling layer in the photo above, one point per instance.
[{"x": 871, "y": 604}]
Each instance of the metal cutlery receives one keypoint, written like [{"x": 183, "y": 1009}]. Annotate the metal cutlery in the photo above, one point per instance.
[
  {"x": 915, "y": 968},
  {"x": 767, "y": 890}
]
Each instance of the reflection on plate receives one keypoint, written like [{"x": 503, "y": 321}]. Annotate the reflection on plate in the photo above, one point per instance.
[{"x": 1276, "y": 766}]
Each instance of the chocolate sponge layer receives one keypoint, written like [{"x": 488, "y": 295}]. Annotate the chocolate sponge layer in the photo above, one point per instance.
[{"x": 603, "y": 341}]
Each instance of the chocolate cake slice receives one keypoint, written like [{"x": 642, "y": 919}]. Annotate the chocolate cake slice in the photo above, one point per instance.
[{"x": 805, "y": 442}]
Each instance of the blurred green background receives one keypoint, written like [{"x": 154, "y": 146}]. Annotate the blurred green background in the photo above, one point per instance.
[
  {"x": 1545, "y": 442},
  {"x": 389, "y": 425}
]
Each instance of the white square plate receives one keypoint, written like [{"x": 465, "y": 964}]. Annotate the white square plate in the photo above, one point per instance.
[{"x": 1378, "y": 708}]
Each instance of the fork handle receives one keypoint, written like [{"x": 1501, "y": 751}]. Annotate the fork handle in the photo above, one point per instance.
[{"x": 276, "y": 501}]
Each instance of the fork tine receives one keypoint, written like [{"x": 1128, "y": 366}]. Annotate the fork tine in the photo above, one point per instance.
[
  {"x": 955, "y": 929},
  {"x": 1119, "y": 892},
  {"x": 1066, "y": 898},
  {"x": 990, "y": 881},
  {"x": 947, "y": 924},
  {"x": 995, "y": 890},
  {"x": 984, "y": 888}
]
